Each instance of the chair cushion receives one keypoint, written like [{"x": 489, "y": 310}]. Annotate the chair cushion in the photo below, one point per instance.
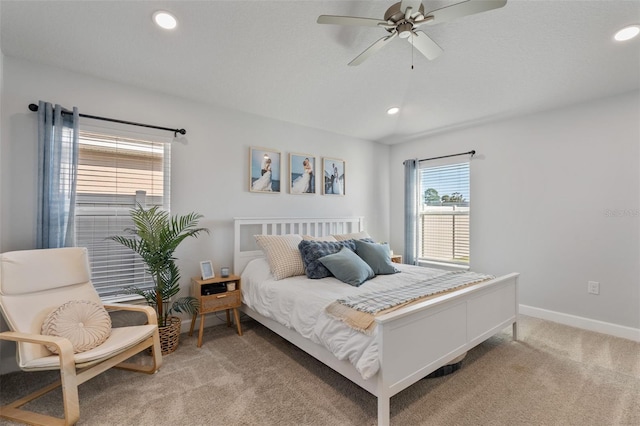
[
  {"x": 120, "y": 339},
  {"x": 67, "y": 266},
  {"x": 84, "y": 323}
]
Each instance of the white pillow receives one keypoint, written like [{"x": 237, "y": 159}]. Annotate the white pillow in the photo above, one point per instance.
[
  {"x": 353, "y": 236},
  {"x": 325, "y": 238},
  {"x": 84, "y": 323},
  {"x": 282, "y": 254}
]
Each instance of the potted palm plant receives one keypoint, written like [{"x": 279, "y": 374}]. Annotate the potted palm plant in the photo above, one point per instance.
[{"x": 155, "y": 237}]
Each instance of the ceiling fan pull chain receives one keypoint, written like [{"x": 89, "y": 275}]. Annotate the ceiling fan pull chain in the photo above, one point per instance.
[{"x": 412, "y": 51}]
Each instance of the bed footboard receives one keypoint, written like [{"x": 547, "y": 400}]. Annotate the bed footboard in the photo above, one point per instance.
[{"x": 424, "y": 337}]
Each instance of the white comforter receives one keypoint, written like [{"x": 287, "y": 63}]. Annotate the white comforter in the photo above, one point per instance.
[{"x": 299, "y": 303}]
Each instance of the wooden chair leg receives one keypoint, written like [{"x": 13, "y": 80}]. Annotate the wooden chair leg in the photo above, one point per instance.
[
  {"x": 70, "y": 401},
  {"x": 68, "y": 380},
  {"x": 69, "y": 384}
]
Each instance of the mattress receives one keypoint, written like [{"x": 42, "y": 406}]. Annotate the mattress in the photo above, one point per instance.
[{"x": 299, "y": 303}]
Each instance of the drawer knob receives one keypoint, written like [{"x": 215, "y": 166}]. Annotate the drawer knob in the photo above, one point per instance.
[{"x": 221, "y": 296}]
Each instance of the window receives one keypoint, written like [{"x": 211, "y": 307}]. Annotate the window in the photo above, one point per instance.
[
  {"x": 114, "y": 174},
  {"x": 443, "y": 213}
]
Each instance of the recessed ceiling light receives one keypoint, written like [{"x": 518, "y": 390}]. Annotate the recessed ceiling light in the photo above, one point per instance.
[
  {"x": 627, "y": 33},
  {"x": 393, "y": 110},
  {"x": 165, "y": 20}
]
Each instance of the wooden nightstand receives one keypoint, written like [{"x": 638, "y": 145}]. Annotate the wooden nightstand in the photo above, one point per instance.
[
  {"x": 214, "y": 302},
  {"x": 396, "y": 258}
]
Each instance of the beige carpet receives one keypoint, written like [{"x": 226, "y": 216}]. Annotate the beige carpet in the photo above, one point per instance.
[{"x": 555, "y": 375}]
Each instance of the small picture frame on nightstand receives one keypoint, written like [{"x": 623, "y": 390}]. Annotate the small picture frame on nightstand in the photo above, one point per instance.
[{"x": 206, "y": 270}]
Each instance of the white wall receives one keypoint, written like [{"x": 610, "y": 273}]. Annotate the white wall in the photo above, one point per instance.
[
  {"x": 209, "y": 175},
  {"x": 1, "y": 97},
  {"x": 543, "y": 187}
]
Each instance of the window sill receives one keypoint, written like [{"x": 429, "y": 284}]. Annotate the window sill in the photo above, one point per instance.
[
  {"x": 128, "y": 298},
  {"x": 442, "y": 265}
]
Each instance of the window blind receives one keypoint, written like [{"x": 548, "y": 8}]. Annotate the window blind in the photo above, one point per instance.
[
  {"x": 114, "y": 174},
  {"x": 444, "y": 213}
]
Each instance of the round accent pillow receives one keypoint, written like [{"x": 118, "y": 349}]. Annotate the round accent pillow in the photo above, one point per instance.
[{"x": 85, "y": 323}]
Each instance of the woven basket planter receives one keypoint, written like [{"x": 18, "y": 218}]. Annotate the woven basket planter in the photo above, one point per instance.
[{"x": 170, "y": 335}]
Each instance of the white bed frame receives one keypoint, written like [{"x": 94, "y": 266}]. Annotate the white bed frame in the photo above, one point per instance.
[{"x": 413, "y": 341}]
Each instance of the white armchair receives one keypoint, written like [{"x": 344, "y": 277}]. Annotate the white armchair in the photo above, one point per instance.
[{"x": 33, "y": 284}]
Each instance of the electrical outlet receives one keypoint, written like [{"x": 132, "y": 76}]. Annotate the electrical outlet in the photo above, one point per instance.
[{"x": 593, "y": 287}]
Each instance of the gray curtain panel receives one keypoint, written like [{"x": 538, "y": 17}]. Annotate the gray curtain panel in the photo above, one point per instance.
[
  {"x": 410, "y": 211},
  {"x": 57, "y": 172}
]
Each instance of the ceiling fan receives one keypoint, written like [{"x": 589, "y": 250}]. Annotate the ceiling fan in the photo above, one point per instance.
[{"x": 402, "y": 20}]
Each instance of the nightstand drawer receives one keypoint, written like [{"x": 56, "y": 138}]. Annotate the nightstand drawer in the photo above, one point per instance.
[{"x": 217, "y": 302}]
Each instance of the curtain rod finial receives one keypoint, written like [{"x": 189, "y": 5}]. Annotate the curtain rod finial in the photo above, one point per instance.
[{"x": 33, "y": 107}]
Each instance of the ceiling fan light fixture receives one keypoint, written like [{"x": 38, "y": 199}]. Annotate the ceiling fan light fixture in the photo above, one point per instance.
[
  {"x": 393, "y": 110},
  {"x": 165, "y": 20},
  {"x": 405, "y": 30},
  {"x": 627, "y": 33}
]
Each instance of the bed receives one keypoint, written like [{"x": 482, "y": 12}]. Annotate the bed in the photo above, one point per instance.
[{"x": 407, "y": 344}]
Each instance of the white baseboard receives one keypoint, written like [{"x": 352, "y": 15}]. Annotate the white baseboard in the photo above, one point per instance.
[{"x": 583, "y": 323}]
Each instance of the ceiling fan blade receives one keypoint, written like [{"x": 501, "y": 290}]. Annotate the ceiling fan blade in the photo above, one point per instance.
[
  {"x": 468, "y": 7},
  {"x": 350, "y": 20},
  {"x": 422, "y": 21},
  {"x": 425, "y": 45},
  {"x": 372, "y": 49},
  {"x": 413, "y": 4}
]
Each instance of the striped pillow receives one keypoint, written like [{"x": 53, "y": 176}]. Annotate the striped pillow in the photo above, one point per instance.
[{"x": 282, "y": 254}]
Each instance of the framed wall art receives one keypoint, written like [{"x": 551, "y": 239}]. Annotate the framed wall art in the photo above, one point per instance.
[
  {"x": 264, "y": 170},
  {"x": 333, "y": 171},
  {"x": 302, "y": 174}
]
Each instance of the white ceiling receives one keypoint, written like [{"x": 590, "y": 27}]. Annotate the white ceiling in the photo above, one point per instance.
[{"x": 272, "y": 59}]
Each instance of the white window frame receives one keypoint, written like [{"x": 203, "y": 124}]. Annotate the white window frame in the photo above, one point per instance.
[
  {"x": 113, "y": 288},
  {"x": 460, "y": 210}
]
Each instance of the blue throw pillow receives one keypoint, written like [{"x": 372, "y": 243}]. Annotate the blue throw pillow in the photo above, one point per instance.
[
  {"x": 348, "y": 267},
  {"x": 377, "y": 256},
  {"x": 312, "y": 251}
]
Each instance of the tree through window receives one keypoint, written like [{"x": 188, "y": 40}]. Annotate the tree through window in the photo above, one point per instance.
[{"x": 443, "y": 213}]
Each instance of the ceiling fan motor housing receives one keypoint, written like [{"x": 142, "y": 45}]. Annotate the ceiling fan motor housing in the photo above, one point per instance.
[
  {"x": 404, "y": 27},
  {"x": 395, "y": 14}
]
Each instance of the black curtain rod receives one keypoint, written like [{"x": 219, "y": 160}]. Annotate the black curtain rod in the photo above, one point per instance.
[
  {"x": 472, "y": 153},
  {"x": 34, "y": 107}
]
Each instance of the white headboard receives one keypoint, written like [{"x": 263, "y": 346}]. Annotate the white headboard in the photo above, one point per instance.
[{"x": 245, "y": 248}]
